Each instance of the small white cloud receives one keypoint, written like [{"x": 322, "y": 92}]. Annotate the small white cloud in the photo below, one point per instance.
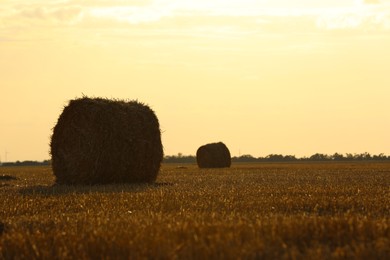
[
  {"x": 371, "y": 15},
  {"x": 32, "y": 14},
  {"x": 371, "y": 2},
  {"x": 128, "y": 14},
  {"x": 66, "y": 14}
]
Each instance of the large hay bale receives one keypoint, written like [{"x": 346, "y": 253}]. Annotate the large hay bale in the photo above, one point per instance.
[
  {"x": 100, "y": 141},
  {"x": 214, "y": 155}
]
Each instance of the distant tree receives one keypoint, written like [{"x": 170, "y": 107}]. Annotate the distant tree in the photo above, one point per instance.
[
  {"x": 362, "y": 156},
  {"x": 337, "y": 157},
  {"x": 366, "y": 156},
  {"x": 27, "y": 163},
  {"x": 379, "y": 157},
  {"x": 319, "y": 157},
  {"x": 179, "y": 158},
  {"x": 275, "y": 157},
  {"x": 289, "y": 158},
  {"x": 244, "y": 158}
]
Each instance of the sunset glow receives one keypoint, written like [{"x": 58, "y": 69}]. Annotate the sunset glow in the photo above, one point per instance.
[{"x": 287, "y": 77}]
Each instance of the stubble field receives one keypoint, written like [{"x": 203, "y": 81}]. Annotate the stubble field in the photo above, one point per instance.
[{"x": 250, "y": 211}]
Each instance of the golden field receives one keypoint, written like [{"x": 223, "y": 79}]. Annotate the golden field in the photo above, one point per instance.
[{"x": 249, "y": 211}]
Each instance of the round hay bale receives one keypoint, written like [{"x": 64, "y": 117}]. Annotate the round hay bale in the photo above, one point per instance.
[
  {"x": 100, "y": 141},
  {"x": 214, "y": 155}
]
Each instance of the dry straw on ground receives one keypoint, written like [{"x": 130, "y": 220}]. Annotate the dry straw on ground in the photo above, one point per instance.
[
  {"x": 98, "y": 141},
  {"x": 214, "y": 155},
  {"x": 249, "y": 211}
]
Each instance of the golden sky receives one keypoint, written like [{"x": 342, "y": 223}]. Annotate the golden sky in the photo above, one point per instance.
[{"x": 283, "y": 76}]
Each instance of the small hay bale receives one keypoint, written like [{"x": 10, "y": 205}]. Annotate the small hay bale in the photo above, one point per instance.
[
  {"x": 101, "y": 141},
  {"x": 214, "y": 155}
]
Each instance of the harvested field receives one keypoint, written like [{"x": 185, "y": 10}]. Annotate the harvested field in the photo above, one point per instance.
[{"x": 251, "y": 211}]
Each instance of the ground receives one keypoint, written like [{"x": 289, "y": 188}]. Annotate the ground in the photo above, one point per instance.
[{"x": 248, "y": 211}]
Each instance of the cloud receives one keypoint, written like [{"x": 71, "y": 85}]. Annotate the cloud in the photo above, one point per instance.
[
  {"x": 80, "y": 13},
  {"x": 66, "y": 14},
  {"x": 367, "y": 15},
  {"x": 30, "y": 15},
  {"x": 191, "y": 18},
  {"x": 127, "y": 14},
  {"x": 369, "y": 2}
]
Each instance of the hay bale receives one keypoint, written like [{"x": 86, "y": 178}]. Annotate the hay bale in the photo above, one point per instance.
[
  {"x": 100, "y": 141},
  {"x": 214, "y": 155}
]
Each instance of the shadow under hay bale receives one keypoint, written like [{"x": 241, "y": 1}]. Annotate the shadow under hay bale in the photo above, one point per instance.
[
  {"x": 7, "y": 178},
  {"x": 214, "y": 155},
  {"x": 2, "y": 228},
  {"x": 115, "y": 188},
  {"x": 101, "y": 141}
]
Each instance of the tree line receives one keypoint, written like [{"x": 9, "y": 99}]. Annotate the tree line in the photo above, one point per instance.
[
  {"x": 286, "y": 158},
  {"x": 180, "y": 158},
  {"x": 26, "y": 163}
]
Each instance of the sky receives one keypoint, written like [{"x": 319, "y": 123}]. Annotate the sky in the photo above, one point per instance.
[{"x": 293, "y": 77}]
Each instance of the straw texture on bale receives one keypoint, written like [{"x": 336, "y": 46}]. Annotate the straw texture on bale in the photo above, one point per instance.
[
  {"x": 100, "y": 141},
  {"x": 214, "y": 155}
]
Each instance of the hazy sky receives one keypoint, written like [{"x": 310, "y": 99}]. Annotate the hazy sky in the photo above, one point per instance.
[{"x": 264, "y": 76}]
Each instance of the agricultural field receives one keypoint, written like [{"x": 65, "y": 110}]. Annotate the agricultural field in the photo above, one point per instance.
[{"x": 248, "y": 211}]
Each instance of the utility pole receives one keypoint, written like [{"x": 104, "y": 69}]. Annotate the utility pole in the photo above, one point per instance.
[{"x": 5, "y": 157}]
